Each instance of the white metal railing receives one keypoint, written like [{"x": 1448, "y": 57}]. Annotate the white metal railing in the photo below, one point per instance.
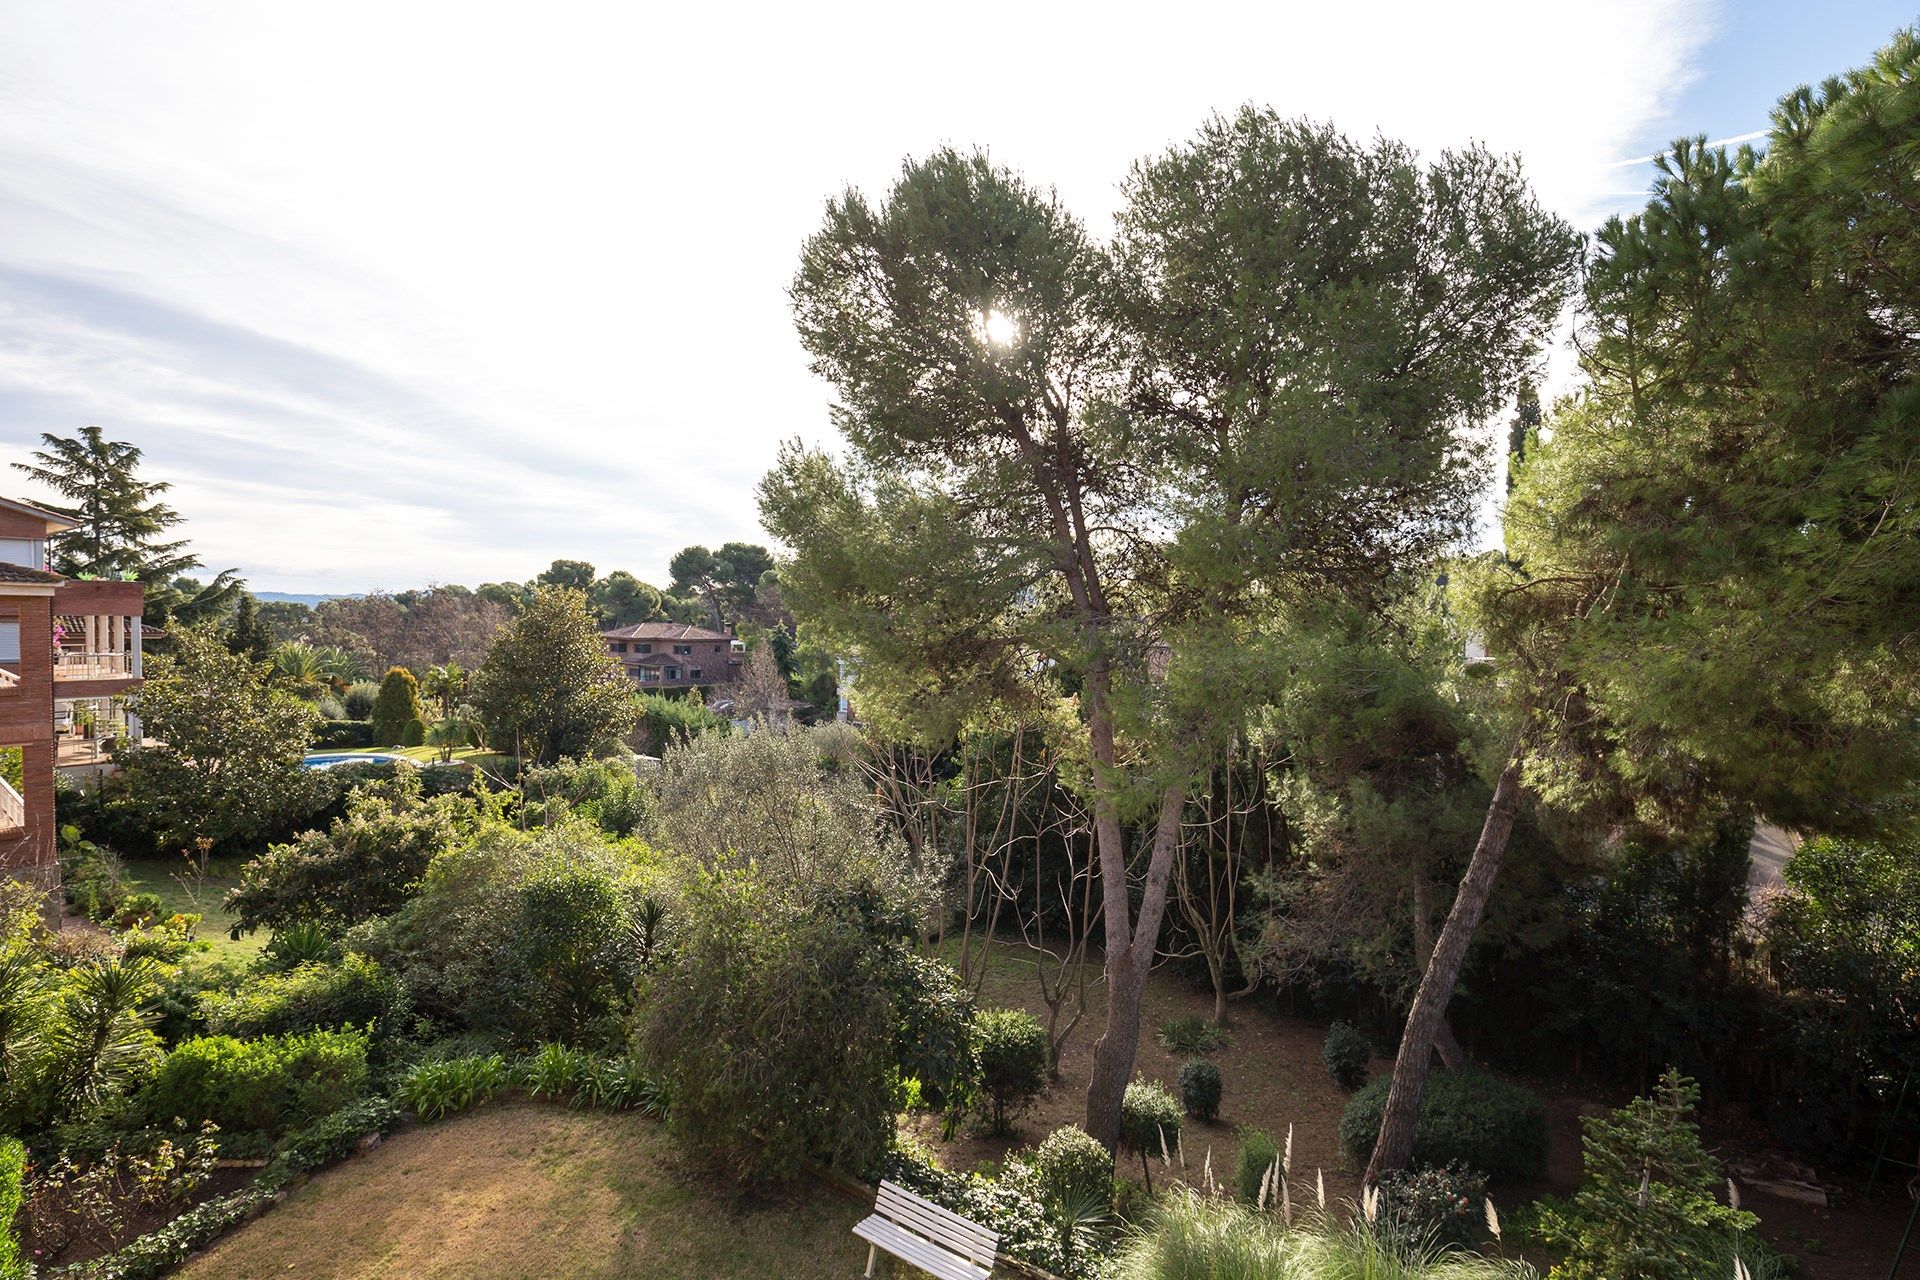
[
  {"x": 79, "y": 664},
  {"x": 9, "y": 678},
  {"x": 13, "y": 806}
]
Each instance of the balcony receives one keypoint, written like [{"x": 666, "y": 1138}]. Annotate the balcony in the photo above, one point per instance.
[
  {"x": 83, "y": 664},
  {"x": 13, "y": 808}
]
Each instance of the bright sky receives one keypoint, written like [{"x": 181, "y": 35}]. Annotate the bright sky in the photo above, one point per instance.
[{"x": 409, "y": 292}]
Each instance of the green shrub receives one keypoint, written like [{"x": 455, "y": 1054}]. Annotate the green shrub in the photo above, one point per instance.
[
  {"x": 265, "y": 1086},
  {"x": 1029, "y": 1230},
  {"x": 301, "y": 942},
  {"x": 1149, "y": 1122},
  {"x": 355, "y": 993},
  {"x": 359, "y": 698},
  {"x": 607, "y": 792},
  {"x": 414, "y": 733},
  {"x": 343, "y": 733},
  {"x": 13, "y": 1174},
  {"x": 1433, "y": 1206},
  {"x": 1011, "y": 1047},
  {"x": 1346, "y": 1054},
  {"x": 933, "y": 1009},
  {"x": 1200, "y": 1089},
  {"x": 1258, "y": 1151},
  {"x": 1480, "y": 1120},
  {"x": 332, "y": 1136},
  {"x": 1071, "y": 1168},
  {"x": 1649, "y": 1208},
  {"x": 620, "y": 1084},
  {"x": 554, "y": 1071},
  {"x": 436, "y": 1089},
  {"x": 1192, "y": 1035},
  {"x": 794, "y": 999},
  {"x": 397, "y": 703}
]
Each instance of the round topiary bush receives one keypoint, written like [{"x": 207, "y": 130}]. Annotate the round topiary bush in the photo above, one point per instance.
[
  {"x": 1469, "y": 1116},
  {"x": 1258, "y": 1151},
  {"x": 414, "y": 733},
  {"x": 1072, "y": 1168},
  {"x": 1200, "y": 1089},
  {"x": 1346, "y": 1054},
  {"x": 1149, "y": 1114},
  {"x": 1011, "y": 1047}
]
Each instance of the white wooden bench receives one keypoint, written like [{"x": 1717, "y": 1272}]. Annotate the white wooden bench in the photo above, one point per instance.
[{"x": 922, "y": 1234}]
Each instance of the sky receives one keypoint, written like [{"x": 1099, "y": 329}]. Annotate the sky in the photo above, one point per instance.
[{"x": 399, "y": 293}]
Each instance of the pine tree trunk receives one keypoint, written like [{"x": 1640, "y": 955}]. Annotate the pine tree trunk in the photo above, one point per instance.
[
  {"x": 1424, "y": 1019},
  {"x": 1444, "y": 1043}
]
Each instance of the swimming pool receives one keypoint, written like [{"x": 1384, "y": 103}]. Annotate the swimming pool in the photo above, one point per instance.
[{"x": 328, "y": 759}]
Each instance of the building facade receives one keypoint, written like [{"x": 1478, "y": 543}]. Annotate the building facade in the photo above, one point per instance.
[
  {"x": 675, "y": 655},
  {"x": 70, "y": 655}
]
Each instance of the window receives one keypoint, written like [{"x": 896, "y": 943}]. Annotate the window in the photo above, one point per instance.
[
  {"x": 620, "y": 646},
  {"x": 694, "y": 674},
  {"x": 683, "y": 650},
  {"x": 716, "y": 648},
  {"x": 643, "y": 648},
  {"x": 673, "y": 673}
]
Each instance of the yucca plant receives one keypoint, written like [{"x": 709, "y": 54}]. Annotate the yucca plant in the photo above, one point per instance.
[{"x": 101, "y": 1036}]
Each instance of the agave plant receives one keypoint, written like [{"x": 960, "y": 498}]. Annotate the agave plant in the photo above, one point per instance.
[
  {"x": 297, "y": 668},
  {"x": 340, "y": 667}
]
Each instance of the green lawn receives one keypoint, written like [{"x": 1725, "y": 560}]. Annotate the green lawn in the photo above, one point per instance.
[
  {"x": 524, "y": 1190},
  {"x": 156, "y": 875}
]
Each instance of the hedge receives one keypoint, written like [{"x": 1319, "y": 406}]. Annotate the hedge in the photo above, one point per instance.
[
  {"x": 13, "y": 1175},
  {"x": 1485, "y": 1122}
]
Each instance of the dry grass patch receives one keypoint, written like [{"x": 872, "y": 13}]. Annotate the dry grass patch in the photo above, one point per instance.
[{"x": 526, "y": 1191}]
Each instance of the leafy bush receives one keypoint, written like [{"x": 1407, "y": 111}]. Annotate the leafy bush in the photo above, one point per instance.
[
  {"x": 355, "y": 993},
  {"x": 1149, "y": 1122},
  {"x": 754, "y": 979},
  {"x": 526, "y": 936},
  {"x": 670, "y": 722},
  {"x": 265, "y": 1086},
  {"x": 1258, "y": 1152},
  {"x": 1648, "y": 1209},
  {"x": 333, "y": 1136},
  {"x": 298, "y": 943},
  {"x": 1200, "y": 1089},
  {"x": 161, "y": 1250},
  {"x": 1071, "y": 1167},
  {"x": 13, "y": 1173},
  {"x": 555, "y": 1071},
  {"x": 366, "y": 863},
  {"x": 1010, "y": 1205},
  {"x": 1468, "y": 1116},
  {"x": 934, "y": 1010},
  {"x": 1011, "y": 1047},
  {"x": 358, "y": 702},
  {"x": 414, "y": 733},
  {"x": 437, "y": 1089},
  {"x": 343, "y": 733},
  {"x": 608, "y": 793},
  {"x": 1433, "y": 1206},
  {"x": 1346, "y": 1054},
  {"x": 1192, "y": 1035}
]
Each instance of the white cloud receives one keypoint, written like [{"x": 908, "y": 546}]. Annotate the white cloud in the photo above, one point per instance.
[{"x": 443, "y": 291}]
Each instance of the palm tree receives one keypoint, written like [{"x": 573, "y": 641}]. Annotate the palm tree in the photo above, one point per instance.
[
  {"x": 341, "y": 667},
  {"x": 447, "y": 682},
  {"x": 102, "y": 1038},
  {"x": 297, "y": 667}
]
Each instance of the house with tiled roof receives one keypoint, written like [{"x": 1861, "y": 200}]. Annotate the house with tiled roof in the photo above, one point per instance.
[{"x": 676, "y": 655}]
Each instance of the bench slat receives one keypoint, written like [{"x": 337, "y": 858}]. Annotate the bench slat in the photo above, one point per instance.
[
  {"x": 895, "y": 1199},
  {"x": 940, "y": 1224},
  {"x": 928, "y": 1257}
]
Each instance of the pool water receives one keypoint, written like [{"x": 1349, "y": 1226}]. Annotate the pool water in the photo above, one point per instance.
[{"x": 326, "y": 760}]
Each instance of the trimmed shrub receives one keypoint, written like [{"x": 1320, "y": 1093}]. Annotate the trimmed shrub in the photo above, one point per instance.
[
  {"x": 354, "y": 993},
  {"x": 343, "y": 733},
  {"x": 414, "y": 733},
  {"x": 1011, "y": 1046},
  {"x": 1072, "y": 1168},
  {"x": 1200, "y": 1089},
  {"x": 1191, "y": 1035},
  {"x": 13, "y": 1174},
  {"x": 399, "y": 702},
  {"x": 1258, "y": 1151},
  {"x": 265, "y": 1086},
  {"x": 1468, "y": 1116},
  {"x": 1346, "y": 1054},
  {"x": 1149, "y": 1122},
  {"x": 1420, "y": 1208}
]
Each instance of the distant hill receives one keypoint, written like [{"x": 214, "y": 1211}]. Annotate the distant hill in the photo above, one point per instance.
[{"x": 296, "y": 597}]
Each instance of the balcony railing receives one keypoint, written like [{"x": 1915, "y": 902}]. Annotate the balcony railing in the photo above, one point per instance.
[
  {"x": 78, "y": 664},
  {"x": 9, "y": 678},
  {"x": 13, "y": 807}
]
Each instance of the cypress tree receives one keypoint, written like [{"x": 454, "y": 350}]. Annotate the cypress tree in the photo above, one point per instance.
[{"x": 398, "y": 703}]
